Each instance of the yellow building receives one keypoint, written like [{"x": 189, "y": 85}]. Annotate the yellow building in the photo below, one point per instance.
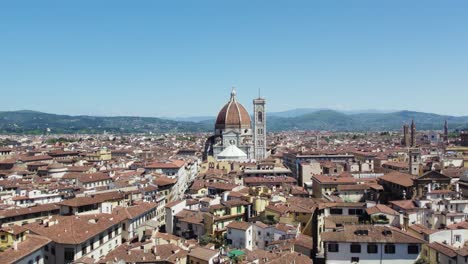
[
  {"x": 11, "y": 234},
  {"x": 212, "y": 163},
  {"x": 461, "y": 151},
  {"x": 222, "y": 214},
  {"x": 292, "y": 213},
  {"x": 100, "y": 155},
  {"x": 259, "y": 197}
]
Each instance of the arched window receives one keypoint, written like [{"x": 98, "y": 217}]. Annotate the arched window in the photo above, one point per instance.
[{"x": 260, "y": 116}]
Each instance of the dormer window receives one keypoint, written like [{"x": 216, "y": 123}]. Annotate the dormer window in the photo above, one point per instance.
[
  {"x": 361, "y": 232},
  {"x": 387, "y": 233}
]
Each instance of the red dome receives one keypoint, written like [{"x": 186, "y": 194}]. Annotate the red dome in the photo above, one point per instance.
[{"x": 233, "y": 115}]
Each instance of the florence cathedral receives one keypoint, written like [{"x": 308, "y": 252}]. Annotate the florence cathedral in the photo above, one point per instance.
[{"x": 234, "y": 138}]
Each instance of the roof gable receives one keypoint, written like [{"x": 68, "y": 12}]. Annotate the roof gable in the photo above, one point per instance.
[{"x": 433, "y": 175}]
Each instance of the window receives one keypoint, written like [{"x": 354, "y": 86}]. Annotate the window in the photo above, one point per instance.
[
  {"x": 52, "y": 250},
  {"x": 390, "y": 249},
  {"x": 333, "y": 247},
  {"x": 354, "y": 260},
  {"x": 413, "y": 249},
  {"x": 355, "y": 248},
  {"x": 336, "y": 211},
  {"x": 83, "y": 249},
  {"x": 46, "y": 248},
  {"x": 3, "y": 237},
  {"x": 355, "y": 212},
  {"x": 69, "y": 254},
  {"x": 372, "y": 249},
  {"x": 457, "y": 238}
]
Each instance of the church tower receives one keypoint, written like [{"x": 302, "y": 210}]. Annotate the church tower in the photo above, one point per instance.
[
  {"x": 413, "y": 134},
  {"x": 406, "y": 135},
  {"x": 415, "y": 163},
  {"x": 445, "y": 132},
  {"x": 259, "y": 128}
]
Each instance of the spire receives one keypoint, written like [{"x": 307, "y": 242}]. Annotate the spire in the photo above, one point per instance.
[
  {"x": 446, "y": 131},
  {"x": 233, "y": 94}
]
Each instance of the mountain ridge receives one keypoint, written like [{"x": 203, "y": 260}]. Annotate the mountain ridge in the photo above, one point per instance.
[{"x": 34, "y": 122}]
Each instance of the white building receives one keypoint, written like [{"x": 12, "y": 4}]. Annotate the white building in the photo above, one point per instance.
[
  {"x": 34, "y": 197},
  {"x": 371, "y": 244},
  {"x": 172, "y": 209},
  {"x": 240, "y": 235},
  {"x": 77, "y": 236}
]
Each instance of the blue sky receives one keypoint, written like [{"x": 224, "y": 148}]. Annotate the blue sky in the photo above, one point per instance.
[{"x": 181, "y": 58}]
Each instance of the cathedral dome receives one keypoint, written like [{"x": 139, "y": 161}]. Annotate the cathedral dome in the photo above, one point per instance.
[{"x": 233, "y": 115}]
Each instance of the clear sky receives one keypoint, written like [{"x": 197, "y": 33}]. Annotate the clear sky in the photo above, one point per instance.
[{"x": 181, "y": 58}]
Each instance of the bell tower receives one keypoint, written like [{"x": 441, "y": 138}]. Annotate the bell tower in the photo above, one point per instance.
[
  {"x": 259, "y": 128},
  {"x": 415, "y": 163}
]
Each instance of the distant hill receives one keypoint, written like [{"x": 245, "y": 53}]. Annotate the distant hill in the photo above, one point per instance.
[
  {"x": 336, "y": 121},
  {"x": 303, "y": 111},
  {"x": 32, "y": 122}
]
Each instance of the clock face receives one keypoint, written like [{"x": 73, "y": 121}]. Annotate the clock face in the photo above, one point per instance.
[{"x": 232, "y": 142}]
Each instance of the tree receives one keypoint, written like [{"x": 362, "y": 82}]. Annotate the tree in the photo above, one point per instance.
[{"x": 206, "y": 239}]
